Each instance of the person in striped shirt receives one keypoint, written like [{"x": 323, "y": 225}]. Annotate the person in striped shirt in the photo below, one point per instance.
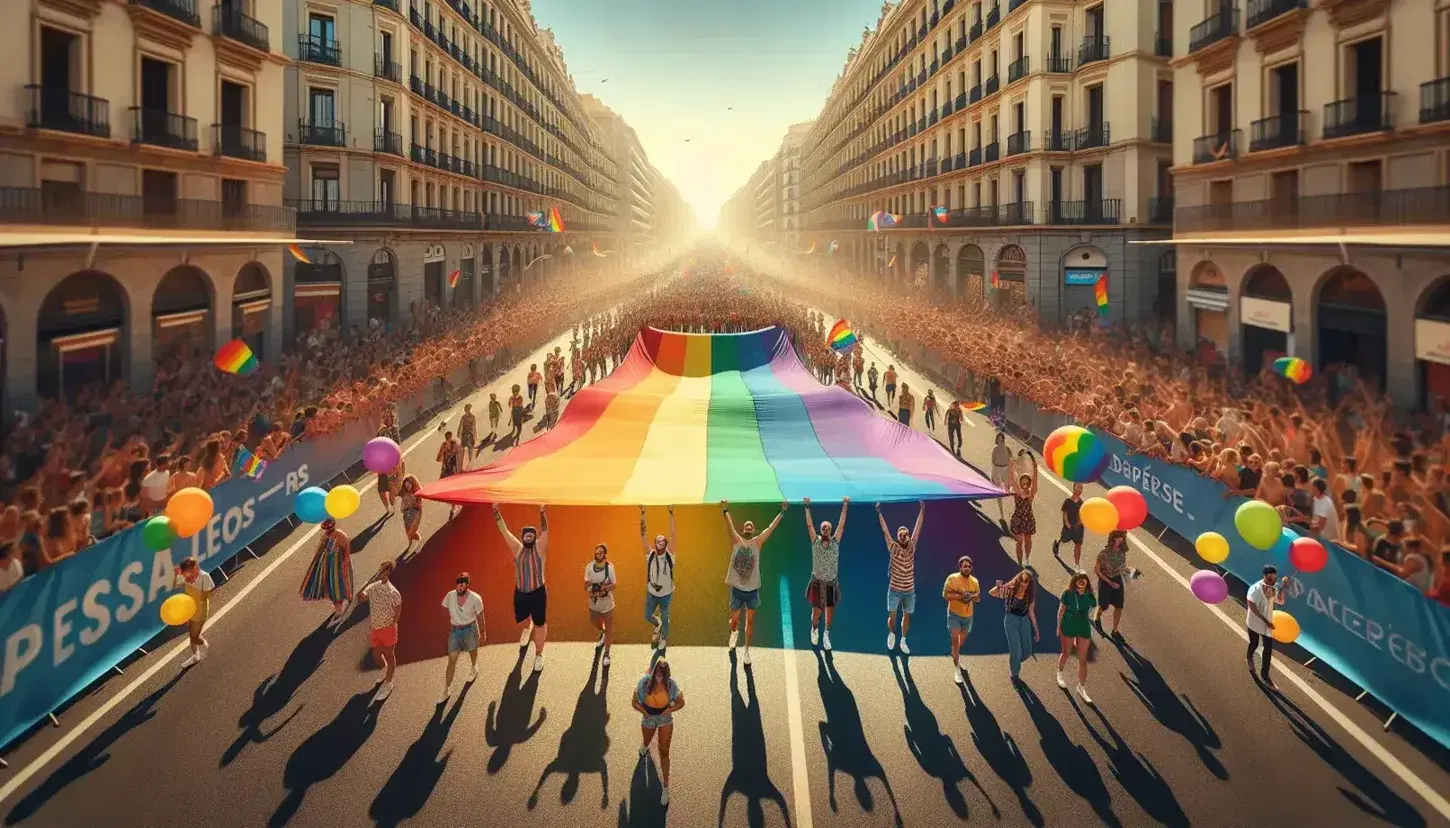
[
  {"x": 531, "y": 598},
  {"x": 901, "y": 591}
]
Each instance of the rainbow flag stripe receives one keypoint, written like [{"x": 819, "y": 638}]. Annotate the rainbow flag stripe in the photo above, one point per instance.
[
  {"x": 841, "y": 338},
  {"x": 697, "y": 418},
  {"x": 298, "y": 254},
  {"x": 248, "y": 465},
  {"x": 556, "y": 220},
  {"x": 1100, "y": 293},
  {"x": 1294, "y": 369},
  {"x": 972, "y": 406},
  {"x": 235, "y": 358},
  {"x": 453, "y": 279}
]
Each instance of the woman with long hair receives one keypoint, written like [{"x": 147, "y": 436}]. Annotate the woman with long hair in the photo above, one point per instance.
[
  {"x": 60, "y": 540},
  {"x": 1024, "y": 522},
  {"x": 657, "y": 697},
  {"x": 412, "y": 509},
  {"x": 1074, "y": 629},
  {"x": 1019, "y": 617}
]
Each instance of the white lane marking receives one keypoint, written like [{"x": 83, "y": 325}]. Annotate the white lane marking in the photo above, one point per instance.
[
  {"x": 22, "y": 776},
  {"x": 1379, "y": 751},
  {"x": 801, "y": 779}
]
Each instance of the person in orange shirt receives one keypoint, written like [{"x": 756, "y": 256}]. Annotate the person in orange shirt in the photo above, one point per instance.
[
  {"x": 534, "y": 379},
  {"x": 890, "y": 385},
  {"x": 516, "y": 414}
]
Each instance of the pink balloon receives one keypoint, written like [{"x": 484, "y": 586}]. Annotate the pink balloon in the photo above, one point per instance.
[
  {"x": 1132, "y": 507},
  {"x": 1208, "y": 586},
  {"x": 1308, "y": 555}
]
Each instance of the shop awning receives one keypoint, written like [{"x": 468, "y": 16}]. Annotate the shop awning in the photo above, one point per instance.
[
  {"x": 1393, "y": 239},
  {"x": 79, "y": 238}
]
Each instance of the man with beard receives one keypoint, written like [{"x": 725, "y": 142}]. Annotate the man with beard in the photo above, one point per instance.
[
  {"x": 531, "y": 598},
  {"x": 901, "y": 590},
  {"x": 743, "y": 576},
  {"x": 660, "y": 584},
  {"x": 824, "y": 590}
]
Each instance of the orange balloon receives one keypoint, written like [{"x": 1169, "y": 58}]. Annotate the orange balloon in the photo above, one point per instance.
[{"x": 190, "y": 510}]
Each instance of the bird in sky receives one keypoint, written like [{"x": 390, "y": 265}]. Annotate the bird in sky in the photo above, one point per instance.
[
  {"x": 606, "y": 80},
  {"x": 687, "y": 140}
]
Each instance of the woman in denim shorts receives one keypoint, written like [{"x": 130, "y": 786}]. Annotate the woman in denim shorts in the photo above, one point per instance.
[{"x": 657, "y": 697}]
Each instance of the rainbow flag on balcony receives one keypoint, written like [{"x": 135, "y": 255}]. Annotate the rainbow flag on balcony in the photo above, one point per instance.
[
  {"x": 453, "y": 279},
  {"x": 556, "y": 220},
  {"x": 880, "y": 220},
  {"x": 1100, "y": 293}
]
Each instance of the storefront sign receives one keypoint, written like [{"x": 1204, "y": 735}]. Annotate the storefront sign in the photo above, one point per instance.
[
  {"x": 1082, "y": 276},
  {"x": 1432, "y": 340},
  {"x": 1266, "y": 313},
  {"x": 433, "y": 253}
]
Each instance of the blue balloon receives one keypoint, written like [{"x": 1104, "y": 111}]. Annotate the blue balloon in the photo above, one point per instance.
[
  {"x": 312, "y": 505},
  {"x": 1279, "y": 552}
]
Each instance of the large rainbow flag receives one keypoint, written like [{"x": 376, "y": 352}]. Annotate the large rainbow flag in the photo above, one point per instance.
[{"x": 699, "y": 418}]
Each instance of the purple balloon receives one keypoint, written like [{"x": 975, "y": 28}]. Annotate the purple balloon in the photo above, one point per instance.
[
  {"x": 381, "y": 455},
  {"x": 1208, "y": 586}
]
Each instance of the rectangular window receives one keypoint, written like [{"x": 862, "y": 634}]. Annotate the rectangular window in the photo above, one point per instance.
[
  {"x": 322, "y": 30},
  {"x": 234, "y": 196},
  {"x": 321, "y": 107},
  {"x": 325, "y": 188}
]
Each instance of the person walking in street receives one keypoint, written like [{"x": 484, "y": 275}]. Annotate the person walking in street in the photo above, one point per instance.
[
  {"x": 890, "y": 386},
  {"x": 531, "y": 597},
  {"x": 385, "y": 610},
  {"x": 858, "y": 365},
  {"x": 743, "y": 574},
  {"x": 1262, "y": 597},
  {"x": 495, "y": 413},
  {"x": 1019, "y": 617},
  {"x": 659, "y": 590},
  {"x": 468, "y": 435},
  {"x": 1024, "y": 521},
  {"x": 199, "y": 585},
  {"x": 824, "y": 590},
  {"x": 412, "y": 510},
  {"x": 516, "y": 415},
  {"x": 1072, "y": 528},
  {"x": 871, "y": 377},
  {"x": 329, "y": 577},
  {"x": 1001, "y": 472},
  {"x": 1111, "y": 568},
  {"x": 599, "y": 584},
  {"x": 534, "y": 379},
  {"x": 906, "y": 406},
  {"x": 465, "y": 614},
  {"x": 901, "y": 587},
  {"x": 1074, "y": 630},
  {"x": 928, "y": 409},
  {"x": 954, "y": 428},
  {"x": 962, "y": 593},
  {"x": 657, "y": 698}
]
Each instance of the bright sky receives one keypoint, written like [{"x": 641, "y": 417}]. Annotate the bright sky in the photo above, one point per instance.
[{"x": 675, "y": 67}]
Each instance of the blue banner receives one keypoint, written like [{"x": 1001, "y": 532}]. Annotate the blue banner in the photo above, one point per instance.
[
  {"x": 62, "y": 629},
  {"x": 1083, "y": 276},
  {"x": 1372, "y": 627}
]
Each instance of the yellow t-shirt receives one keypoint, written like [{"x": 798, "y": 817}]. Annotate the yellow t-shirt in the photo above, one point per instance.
[{"x": 969, "y": 585}]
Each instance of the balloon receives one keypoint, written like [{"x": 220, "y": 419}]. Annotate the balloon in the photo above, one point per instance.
[
  {"x": 1286, "y": 629},
  {"x": 1258, "y": 524},
  {"x": 158, "y": 534},
  {"x": 1132, "y": 507},
  {"x": 1208, "y": 586},
  {"x": 189, "y": 509},
  {"x": 1308, "y": 555},
  {"x": 1074, "y": 453},
  {"x": 1099, "y": 515},
  {"x": 342, "y": 501},
  {"x": 381, "y": 455},
  {"x": 178, "y": 609},
  {"x": 1279, "y": 552},
  {"x": 312, "y": 505},
  {"x": 1212, "y": 547}
]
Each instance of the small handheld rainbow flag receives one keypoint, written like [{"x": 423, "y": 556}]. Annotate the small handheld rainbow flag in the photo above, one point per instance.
[
  {"x": 248, "y": 465},
  {"x": 235, "y": 358},
  {"x": 453, "y": 279},
  {"x": 811, "y": 249},
  {"x": 556, "y": 220},
  {"x": 972, "y": 406},
  {"x": 996, "y": 281},
  {"x": 841, "y": 338},
  {"x": 831, "y": 251},
  {"x": 298, "y": 254},
  {"x": 1100, "y": 293},
  {"x": 536, "y": 218},
  {"x": 941, "y": 214},
  {"x": 1293, "y": 369},
  {"x": 880, "y": 220}
]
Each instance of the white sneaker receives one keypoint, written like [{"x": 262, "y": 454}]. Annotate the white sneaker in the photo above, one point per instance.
[
  {"x": 665, "y": 796},
  {"x": 662, "y": 645},
  {"x": 605, "y": 661},
  {"x": 600, "y": 643},
  {"x": 654, "y": 637},
  {"x": 528, "y": 633},
  {"x": 815, "y": 635},
  {"x": 747, "y": 654},
  {"x": 383, "y": 691},
  {"x": 191, "y": 660},
  {"x": 473, "y": 674},
  {"x": 202, "y": 652},
  {"x": 1061, "y": 682},
  {"x": 539, "y": 663},
  {"x": 905, "y": 650},
  {"x": 891, "y": 641},
  {"x": 826, "y": 641},
  {"x": 957, "y": 674},
  {"x": 644, "y": 750},
  {"x": 734, "y": 635},
  {"x": 443, "y": 699},
  {"x": 1082, "y": 691}
]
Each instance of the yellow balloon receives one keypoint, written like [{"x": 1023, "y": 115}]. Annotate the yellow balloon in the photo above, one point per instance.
[
  {"x": 342, "y": 501},
  {"x": 1212, "y": 547},
  {"x": 178, "y": 609},
  {"x": 1098, "y": 515},
  {"x": 1286, "y": 629},
  {"x": 190, "y": 509}
]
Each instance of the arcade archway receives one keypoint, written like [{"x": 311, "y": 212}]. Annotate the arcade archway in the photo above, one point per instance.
[
  {"x": 1432, "y": 342},
  {"x": 317, "y": 291},
  {"x": 382, "y": 289},
  {"x": 970, "y": 268},
  {"x": 940, "y": 268},
  {"x": 1011, "y": 277},
  {"x": 1351, "y": 325},
  {"x": 251, "y": 303},
  {"x": 182, "y": 326},
  {"x": 1266, "y": 317},
  {"x": 81, "y": 334}
]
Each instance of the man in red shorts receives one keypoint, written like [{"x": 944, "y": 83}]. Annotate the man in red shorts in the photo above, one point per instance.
[{"x": 385, "y": 608}]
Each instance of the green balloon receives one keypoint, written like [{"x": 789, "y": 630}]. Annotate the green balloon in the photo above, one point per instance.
[
  {"x": 1259, "y": 524},
  {"x": 158, "y": 534}
]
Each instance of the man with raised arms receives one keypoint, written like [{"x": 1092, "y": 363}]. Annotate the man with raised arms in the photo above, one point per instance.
[
  {"x": 824, "y": 590},
  {"x": 531, "y": 598},
  {"x": 743, "y": 575}
]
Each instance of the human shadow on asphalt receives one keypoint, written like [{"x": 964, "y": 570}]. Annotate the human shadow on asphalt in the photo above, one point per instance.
[
  {"x": 1071, "y": 761},
  {"x": 412, "y": 783},
  {"x": 1373, "y": 796},
  {"x": 584, "y": 746},
  {"x": 324, "y": 753},
  {"x": 843, "y": 739},
  {"x": 934, "y": 750},
  {"x": 749, "y": 763},
  {"x": 1000, "y": 750},
  {"x": 1134, "y": 771},
  {"x": 1172, "y": 710},
  {"x": 363, "y": 538},
  {"x": 91, "y": 757},
  {"x": 279, "y": 689},
  {"x": 507, "y": 725},
  {"x": 643, "y": 809}
]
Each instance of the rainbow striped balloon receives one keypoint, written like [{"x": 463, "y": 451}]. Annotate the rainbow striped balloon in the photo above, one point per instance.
[
  {"x": 1076, "y": 454},
  {"x": 1293, "y": 369},
  {"x": 235, "y": 358},
  {"x": 841, "y": 338}
]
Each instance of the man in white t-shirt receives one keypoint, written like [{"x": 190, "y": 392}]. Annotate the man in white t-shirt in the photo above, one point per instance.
[
  {"x": 12, "y": 571},
  {"x": 659, "y": 588},
  {"x": 385, "y": 609},
  {"x": 1262, "y": 597},
  {"x": 1325, "y": 518},
  {"x": 155, "y": 483},
  {"x": 465, "y": 613}
]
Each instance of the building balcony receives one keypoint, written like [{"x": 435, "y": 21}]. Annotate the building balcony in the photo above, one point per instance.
[
  {"x": 1059, "y": 64},
  {"x": 1097, "y": 211},
  {"x": 314, "y": 49},
  {"x": 163, "y": 129},
  {"x": 420, "y": 154},
  {"x": 182, "y": 10},
  {"x": 389, "y": 142},
  {"x": 33, "y": 205},
  {"x": 1219, "y": 146},
  {"x": 1160, "y": 210},
  {"x": 990, "y": 153},
  {"x": 228, "y": 21},
  {"x": 1262, "y": 11},
  {"x": 1163, "y": 45},
  {"x": 1435, "y": 101},
  {"x": 322, "y": 135},
  {"x": 386, "y": 69},
  {"x": 993, "y": 84},
  {"x": 947, "y": 109},
  {"x": 1019, "y": 142},
  {"x": 1385, "y": 208},
  {"x": 994, "y": 16},
  {"x": 320, "y": 213},
  {"x": 973, "y": 217},
  {"x": 236, "y": 141},
  {"x": 391, "y": 5},
  {"x": 62, "y": 110},
  {"x": 1018, "y": 69},
  {"x": 1017, "y": 212},
  {"x": 974, "y": 94},
  {"x": 974, "y": 158},
  {"x": 974, "y": 32},
  {"x": 1160, "y": 130},
  {"x": 1014, "y": 5},
  {"x": 1359, "y": 115},
  {"x": 961, "y": 102},
  {"x": 1287, "y": 129},
  {"x": 1091, "y": 137},
  {"x": 1093, "y": 49},
  {"x": 1057, "y": 140},
  {"x": 1220, "y": 26}
]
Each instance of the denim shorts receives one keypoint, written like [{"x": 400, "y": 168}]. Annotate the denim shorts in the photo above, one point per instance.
[
  {"x": 904, "y": 601},
  {"x": 744, "y": 599},
  {"x": 463, "y": 639},
  {"x": 958, "y": 622},
  {"x": 655, "y": 722}
]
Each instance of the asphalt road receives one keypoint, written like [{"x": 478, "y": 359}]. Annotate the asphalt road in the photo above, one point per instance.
[{"x": 278, "y": 726}]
